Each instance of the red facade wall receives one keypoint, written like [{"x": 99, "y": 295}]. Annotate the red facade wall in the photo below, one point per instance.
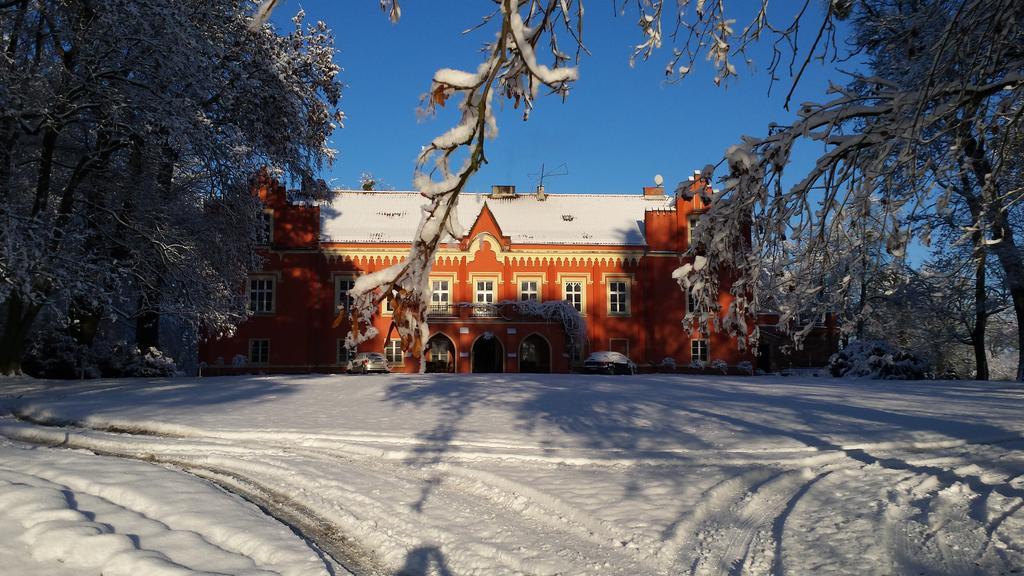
[{"x": 302, "y": 337}]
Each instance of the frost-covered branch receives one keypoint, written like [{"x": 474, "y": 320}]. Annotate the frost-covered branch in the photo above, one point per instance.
[
  {"x": 935, "y": 121},
  {"x": 512, "y": 69}
]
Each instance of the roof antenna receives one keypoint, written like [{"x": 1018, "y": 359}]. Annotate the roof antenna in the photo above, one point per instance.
[{"x": 561, "y": 170}]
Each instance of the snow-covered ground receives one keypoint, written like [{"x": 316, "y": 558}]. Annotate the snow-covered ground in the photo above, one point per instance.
[{"x": 497, "y": 474}]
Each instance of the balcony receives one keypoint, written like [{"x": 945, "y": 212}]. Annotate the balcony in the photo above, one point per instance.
[{"x": 501, "y": 311}]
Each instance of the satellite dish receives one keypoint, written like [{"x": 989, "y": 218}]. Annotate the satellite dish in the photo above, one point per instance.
[{"x": 658, "y": 180}]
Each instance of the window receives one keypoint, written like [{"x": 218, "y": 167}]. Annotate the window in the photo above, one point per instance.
[
  {"x": 485, "y": 292},
  {"x": 265, "y": 230},
  {"x": 344, "y": 353},
  {"x": 691, "y": 301},
  {"x": 440, "y": 297},
  {"x": 484, "y": 298},
  {"x": 342, "y": 286},
  {"x": 699, "y": 350},
  {"x": 574, "y": 294},
  {"x": 261, "y": 295},
  {"x": 388, "y": 308},
  {"x": 691, "y": 225},
  {"x": 618, "y": 297},
  {"x": 393, "y": 351},
  {"x": 259, "y": 351},
  {"x": 528, "y": 290}
]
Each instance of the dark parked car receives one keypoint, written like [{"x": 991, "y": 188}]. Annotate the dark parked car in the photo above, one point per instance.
[
  {"x": 370, "y": 362},
  {"x": 608, "y": 363}
]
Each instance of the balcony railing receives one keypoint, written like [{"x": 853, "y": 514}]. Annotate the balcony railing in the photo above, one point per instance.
[
  {"x": 476, "y": 310},
  {"x": 442, "y": 311}
]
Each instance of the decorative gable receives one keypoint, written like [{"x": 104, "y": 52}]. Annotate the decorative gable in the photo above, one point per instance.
[{"x": 486, "y": 223}]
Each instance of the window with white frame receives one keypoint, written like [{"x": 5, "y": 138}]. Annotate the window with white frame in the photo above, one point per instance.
[
  {"x": 261, "y": 294},
  {"x": 691, "y": 226},
  {"x": 265, "y": 230},
  {"x": 528, "y": 290},
  {"x": 699, "y": 350},
  {"x": 344, "y": 352},
  {"x": 393, "y": 351},
  {"x": 259, "y": 351},
  {"x": 484, "y": 292},
  {"x": 573, "y": 291},
  {"x": 389, "y": 309},
  {"x": 342, "y": 286},
  {"x": 483, "y": 296},
  {"x": 618, "y": 296},
  {"x": 440, "y": 296}
]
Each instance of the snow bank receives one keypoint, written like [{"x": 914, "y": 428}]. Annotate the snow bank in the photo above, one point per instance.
[{"x": 97, "y": 515}]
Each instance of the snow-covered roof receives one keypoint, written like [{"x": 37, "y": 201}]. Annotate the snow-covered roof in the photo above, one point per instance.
[{"x": 608, "y": 219}]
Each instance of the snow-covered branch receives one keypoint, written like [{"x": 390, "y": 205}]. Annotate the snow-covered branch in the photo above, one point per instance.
[{"x": 512, "y": 70}]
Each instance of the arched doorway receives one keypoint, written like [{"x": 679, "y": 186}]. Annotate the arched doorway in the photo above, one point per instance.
[
  {"x": 488, "y": 354},
  {"x": 535, "y": 355},
  {"x": 440, "y": 353}
]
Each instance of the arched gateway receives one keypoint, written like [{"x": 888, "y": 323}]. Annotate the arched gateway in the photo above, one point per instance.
[
  {"x": 487, "y": 354},
  {"x": 535, "y": 355},
  {"x": 440, "y": 354}
]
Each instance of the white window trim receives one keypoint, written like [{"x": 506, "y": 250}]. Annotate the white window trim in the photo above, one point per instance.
[
  {"x": 273, "y": 293},
  {"x": 401, "y": 353},
  {"x": 253, "y": 360},
  {"x": 519, "y": 278},
  {"x": 583, "y": 290},
  {"x": 338, "y": 279},
  {"x": 270, "y": 234},
  {"x": 384, "y": 308},
  {"x": 537, "y": 291},
  {"x": 707, "y": 350},
  {"x": 691, "y": 225},
  {"x": 450, "y": 279},
  {"x": 628, "y": 281},
  {"x": 474, "y": 278}
]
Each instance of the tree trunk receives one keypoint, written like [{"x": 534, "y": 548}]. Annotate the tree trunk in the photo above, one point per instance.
[
  {"x": 1004, "y": 245},
  {"x": 18, "y": 321},
  {"x": 980, "y": 320},
  {"x": 980, "y": 295},
  {"x": 147, "y": 321}
]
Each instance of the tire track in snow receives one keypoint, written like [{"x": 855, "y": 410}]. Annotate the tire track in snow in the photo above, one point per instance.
[
  {"x": 325, "y": 538},
  {"x": 745, "y": 537},
  {"x": 235, "y": 473}
]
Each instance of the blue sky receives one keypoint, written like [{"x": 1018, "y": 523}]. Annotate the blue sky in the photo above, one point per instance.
[{"x": 618, "y": 128}]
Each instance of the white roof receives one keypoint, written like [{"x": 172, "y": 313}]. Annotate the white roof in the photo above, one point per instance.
[{"x": 610, "y": 219}]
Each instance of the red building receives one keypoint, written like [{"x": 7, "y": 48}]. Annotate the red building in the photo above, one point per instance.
[{"x": 610, "y": 256}]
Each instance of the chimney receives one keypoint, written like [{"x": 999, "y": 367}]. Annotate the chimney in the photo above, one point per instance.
[
  {"x": 503, "y": 191},
  {"x": 541, "y": 195},
  {"x": 656, "y": 192}
]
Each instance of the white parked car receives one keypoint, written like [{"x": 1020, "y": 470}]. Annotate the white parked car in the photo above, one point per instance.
[{"x": 370, "y": 362}]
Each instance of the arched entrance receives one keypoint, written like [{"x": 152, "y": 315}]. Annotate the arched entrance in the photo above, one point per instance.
[
  {"x": 488, "y": 354},
  {"x": 440, "y": 353},
  {"x": 535, "y": 355}
]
